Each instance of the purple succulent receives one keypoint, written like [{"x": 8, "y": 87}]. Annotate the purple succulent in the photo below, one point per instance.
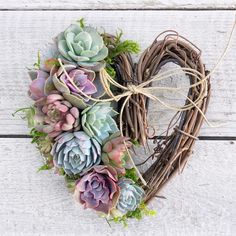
[
  {"x": 98, "y": 189},
  {"x": 82, "y": 79},
  {"x": 79, "y": 80},
  {"x": 56, "y": 115}
]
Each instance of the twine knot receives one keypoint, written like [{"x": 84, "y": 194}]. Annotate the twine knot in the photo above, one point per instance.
[{"x": 133, "y": 88}]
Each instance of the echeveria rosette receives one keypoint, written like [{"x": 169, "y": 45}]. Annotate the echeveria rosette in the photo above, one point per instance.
[
  {"x": 76, "y": 152},
  {"x": 55, "y": 115},
  {"x": 41, "y": 84},
  {"x": 98, "y": 189},
  {"x": 131, "y": 196},
  {"x": 36, "y": 88},
  {"x": 97, "y": 121},
  {"x": 74, "y": 83},
  {"x": 113, "y": 152},
  {"x": 83, "y": 46}
]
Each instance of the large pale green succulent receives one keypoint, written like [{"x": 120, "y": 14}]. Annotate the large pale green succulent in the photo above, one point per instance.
[
  {"x": 83, "y": 46},
  {"x": 97, "y": 121}
]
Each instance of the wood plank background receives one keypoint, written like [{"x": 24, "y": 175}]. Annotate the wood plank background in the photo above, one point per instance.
[
  {"x": 201, "y": 201},
  {"x": 118, "y": 4}
]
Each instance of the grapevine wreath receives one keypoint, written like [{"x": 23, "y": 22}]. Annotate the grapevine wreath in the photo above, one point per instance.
[{"x": 90, "y": 112}]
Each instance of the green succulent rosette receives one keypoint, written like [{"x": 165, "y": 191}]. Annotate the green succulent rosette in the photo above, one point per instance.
[
  {"x": 97, "y": 121},
  {"x": 82, "y": 45}
]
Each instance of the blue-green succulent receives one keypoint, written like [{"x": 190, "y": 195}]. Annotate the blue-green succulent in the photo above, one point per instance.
[
  {"x": 82, "y": 45},
  {"x": 76, "y": 152},
  {"x": 130, "y": 196},
  {"x": 97, "y": 121}
]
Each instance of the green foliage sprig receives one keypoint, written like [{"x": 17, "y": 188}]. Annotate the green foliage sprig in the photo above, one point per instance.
[
  {"x": 116, "y": 47},
  {"x": 41, "y": 139},
  {"x": 37, "y": 136},
  {"x": 138, "y": 214},
  {"x": 128, "y": 46},
  {"x": 44, "y": 167},
  {"x": 38, "y": 63},
  {"x": 27, "y": 114},
  {"x": 81, "y": 22}
]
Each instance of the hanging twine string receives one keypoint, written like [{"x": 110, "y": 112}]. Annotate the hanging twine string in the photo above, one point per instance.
[{"x": 142, "y": 88}]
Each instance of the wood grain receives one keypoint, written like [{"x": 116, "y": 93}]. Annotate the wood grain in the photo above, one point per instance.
[
  {"x": 118, "y": 4},
  {"x": 23, "y": 33},
  {"x": 201, "y": 201}
]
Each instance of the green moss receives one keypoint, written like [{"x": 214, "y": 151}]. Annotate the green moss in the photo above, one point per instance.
[
  {"x": 135, "y": 142},
  {"x": 141, "y": 212},
  {"x": 131, "y": 174},
  {"x": 121, "y": 220},
  {"x": 44, "y": 145},
  {"x": 71, "y": 181}
]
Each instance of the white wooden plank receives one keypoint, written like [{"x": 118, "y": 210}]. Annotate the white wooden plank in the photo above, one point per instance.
[
  {"x": 118, "y": 4},
  {"x": 201, "y": 201},
  {"x": 23, "y": 33}
]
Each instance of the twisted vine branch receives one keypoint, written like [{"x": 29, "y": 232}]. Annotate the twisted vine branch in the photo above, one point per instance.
[{"x": 171, "y": 154}]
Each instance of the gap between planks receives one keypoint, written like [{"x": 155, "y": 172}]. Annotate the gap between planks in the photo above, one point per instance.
[
  {"x": 122, "y": 9},
  {"x": 205, "y": 138}
]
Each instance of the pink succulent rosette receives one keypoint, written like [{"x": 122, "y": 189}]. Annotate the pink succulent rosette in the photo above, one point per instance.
[
  {"x": 114, "y": 153},
  {"x": 98, "y": 189},
  {"x": 36, "y": 88},
  {"x": 54, "y": 115}
]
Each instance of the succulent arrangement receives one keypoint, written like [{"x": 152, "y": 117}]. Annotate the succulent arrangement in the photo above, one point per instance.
[
  {"x": 90, "y": 108},
  {"x": 78, "y": 136}
]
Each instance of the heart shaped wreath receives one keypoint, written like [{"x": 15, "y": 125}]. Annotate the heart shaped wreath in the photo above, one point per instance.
[{"x": 91, "y": 107}]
